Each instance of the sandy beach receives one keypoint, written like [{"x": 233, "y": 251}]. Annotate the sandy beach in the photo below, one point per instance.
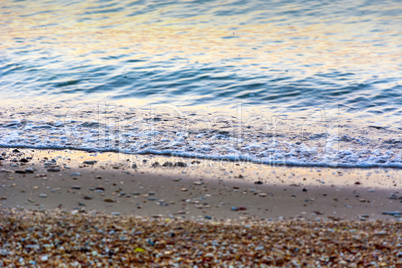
[{"x": 204, "y": 199}]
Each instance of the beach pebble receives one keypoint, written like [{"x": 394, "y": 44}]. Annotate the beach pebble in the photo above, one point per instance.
[
  {"x": 108, "y": 200},
  {"x": 392, "y": 213},
  {"x": 87, "y": 197},
  {"x": 76, "y": 187},
  {"x": 20, "y": 171},
  {"x": 29, "y": 170},
  {"x": 180, "y": 164},
  {"x": 43, "y": 195},
  {"x": 134, "y": 165},
  {"x": 184, "y": 189},
  {"x": 89, "y": 162},
  {"x": 44, "y": 258},
  {"x": 262, "y": 194},
  {"x": 115, "y": 213},
  {"x": 198, "y": 183},
  {"x": 54, "y": 169},
  {"x": 75, "y": 174}
]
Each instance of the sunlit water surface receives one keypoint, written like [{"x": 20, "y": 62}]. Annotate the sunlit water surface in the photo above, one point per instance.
[{"x": 278, "y": 82}]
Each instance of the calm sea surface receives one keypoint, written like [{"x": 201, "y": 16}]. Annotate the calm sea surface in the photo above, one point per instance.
[{"x": 277, "y": 82}]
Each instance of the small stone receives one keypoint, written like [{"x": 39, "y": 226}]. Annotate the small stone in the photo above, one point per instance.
[
  {"x": 198, "y": 183},
  {"x": 234, "y": 209},
  {"x": 167, "y": 164},
  {"x": 87, "y": 197},
  {"x": 76, "y": 187},
  {"x": 380, "y": 233},
  {"x": 3, "y": 198},
  {"x": 180, "y": 164},
  {"x": 358, "y": 183},
  {"x": 53, "y": 169},
  {"x": 115, "y": 213},
  {"x": 108, "y": 200},
  {"x": 304, "y": 190},
  {"x": 258, "y": 182},
  {"x": 20, "y": 171},
  {"x": 392, "y": 213},
  {"x": 262, "y": 195},
  {"x": 134, "y": 166},
  {"x": 184, "y": 189},
  {"x": 43, "y": 195},
  {"x": 29, "y": 170},
  {"x": 75, "y": 174},
  {"x": 44, "y": 258},
  {"x": 89, "y": 162}
]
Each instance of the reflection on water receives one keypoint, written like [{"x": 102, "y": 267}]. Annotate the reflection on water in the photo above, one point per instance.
[{"x": 285, "y": 55}]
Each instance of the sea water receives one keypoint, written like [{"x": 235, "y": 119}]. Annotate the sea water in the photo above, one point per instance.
[{"x": 311, "y": 83}]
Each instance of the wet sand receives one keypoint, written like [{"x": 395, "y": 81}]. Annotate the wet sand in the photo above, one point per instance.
[{"x": 59, "y": 184}]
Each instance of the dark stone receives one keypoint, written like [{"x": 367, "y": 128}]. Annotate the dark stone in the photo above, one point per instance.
[
  {"x": 258, "y": 182},
  {"x": 304, "y": 190},
  {"x": 180, "y": 164}
]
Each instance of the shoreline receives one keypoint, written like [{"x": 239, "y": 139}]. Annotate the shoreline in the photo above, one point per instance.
[{"x": 192, "y": 188}]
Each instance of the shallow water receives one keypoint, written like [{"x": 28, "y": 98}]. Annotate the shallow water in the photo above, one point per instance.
[{"x": 276, "y": 82}]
